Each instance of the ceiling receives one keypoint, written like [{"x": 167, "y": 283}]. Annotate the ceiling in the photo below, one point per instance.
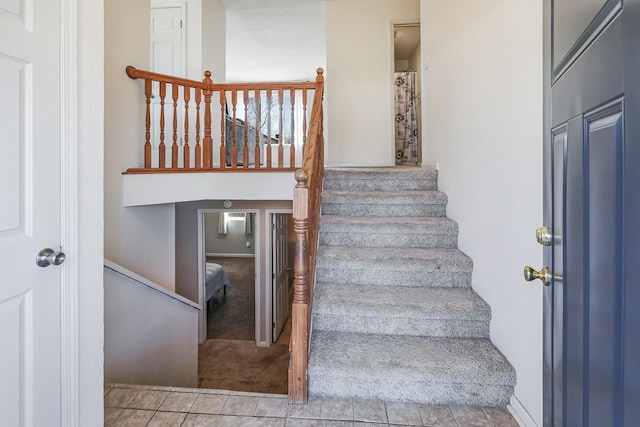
[{"x": 405, "y": 40}]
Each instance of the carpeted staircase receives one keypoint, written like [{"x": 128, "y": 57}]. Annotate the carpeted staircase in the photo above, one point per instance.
[{"x": 394, "y": 315}]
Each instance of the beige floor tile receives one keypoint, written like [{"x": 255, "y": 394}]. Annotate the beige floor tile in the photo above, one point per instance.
[
  {"x": 178, "y": 402},
  {"x": 372, "y": 411},
  {"x": 470, "y": 416},
  {"x": 209, "y": 404},
  {"x": 500, "y": 417},
  {"x": 167, "y": 419},
  {"x": 309, "y": 411},
  {"x": 336, "y": 409},
  {"x": 110, "y": 415},
  {"x": 120, "y": 397},
  {"x": 240, "y": 405},
  {"x": 436, "y": 415},
  {"x": 200, "y": 420},
  {"x": 133, "y": 418},
  {"x": 148, "y": 399},
  {"x": 317, "y": 423},
  {"x": 403, "y": 413},
  {"x": 271, "y": 407}
]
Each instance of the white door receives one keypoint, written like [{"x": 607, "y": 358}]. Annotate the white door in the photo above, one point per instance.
[
  {"x": 30, "y": 308},
  {"x": 280, "y": 272},
  {"x": 167, "y": 57}
]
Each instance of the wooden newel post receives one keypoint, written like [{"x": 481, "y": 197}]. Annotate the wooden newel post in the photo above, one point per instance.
[
  {"x": 300, "y": 320},
  {"x": 206, "y": 141}
]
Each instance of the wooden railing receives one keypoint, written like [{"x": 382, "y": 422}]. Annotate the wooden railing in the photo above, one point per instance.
[
  {"x": 306, "y": 214},
  {"x": 263, "y": 126}
]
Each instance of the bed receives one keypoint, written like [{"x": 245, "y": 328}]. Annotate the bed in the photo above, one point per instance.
[{"x": 215, "y": 280}]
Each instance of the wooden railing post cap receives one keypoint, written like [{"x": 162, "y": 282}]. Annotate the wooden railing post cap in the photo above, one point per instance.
[
  {"x": 207, "y": 77},
  {"x": 320, "y": 77},
  {"x": 131, "y": 71},
  {"x": 301, "y": 178}
]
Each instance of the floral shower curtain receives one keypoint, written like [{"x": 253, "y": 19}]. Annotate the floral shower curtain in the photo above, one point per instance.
[{"x": 406, "y": 124}]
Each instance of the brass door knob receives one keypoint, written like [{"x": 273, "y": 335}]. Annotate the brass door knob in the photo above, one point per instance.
[
  {"x": 545, "y": 275},
  {"x": 544, "y": 236}
]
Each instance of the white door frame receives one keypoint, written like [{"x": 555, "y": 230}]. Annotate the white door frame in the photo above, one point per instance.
[
  {"x": 202, "y": 316},
  {"x": 268, "y": 270},
  {"x": 70, "y": 201}
]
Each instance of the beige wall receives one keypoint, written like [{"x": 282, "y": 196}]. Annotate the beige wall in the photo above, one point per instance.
[
  {"x": 139, "y": 238},
  {"x": 275, "y": 41},
  {"x": 482, "y": 100},
  {"x": 359, "y": 79}
]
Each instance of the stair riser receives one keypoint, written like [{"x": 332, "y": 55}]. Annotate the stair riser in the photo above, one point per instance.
[
  {"x": 323, "y": 384},
  {"x": 379, "y": 184},
  {"x": 389, "y": 240},
  {"x": 402, "y": 326},
  {"x": 414, "y": 278},
  {"x": 396, "y": 210}
]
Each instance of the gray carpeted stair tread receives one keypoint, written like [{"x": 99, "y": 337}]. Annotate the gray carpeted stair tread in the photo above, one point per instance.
[
  {"x": 384, "y": 203},
  {"x": 394, "y": 258},
  {"x": 380, "y": 178},
  {"x": 388, "y": 231},
  {"x": 424, "y": 303},
  {"x": 385, "y": 197},
  {"x": 380, "y": 224},
  {"x": 436, "y": 312},
  {"x": 423, "y": 369},
  {"x": 395, "y": 267}
]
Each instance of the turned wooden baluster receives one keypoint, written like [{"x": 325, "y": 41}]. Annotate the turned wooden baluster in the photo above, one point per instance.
[
  {"x": 223, "y": 118},
  {"x": 299, "y": 311},
  {"x": 147, "y": 132},
  {"x": 257, "y": 96},
  {"x": 186, "y": 160},
  {"x": 234, "y": 130},
  {"x": 198, "y": 153},
  {"x": 280, "y": 128},
  {"x": 245, "y": 150},
  {"x": 207, "y": 155},
  {"x": 161, "y": 147},
  {"x": 174, "y": 146},
  {"x": 304, "y": 118},
  {"x": 292, "y": 149},
  {"x": 268, "y": 144}
]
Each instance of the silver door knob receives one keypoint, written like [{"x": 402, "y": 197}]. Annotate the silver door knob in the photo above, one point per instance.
[{"x": 47, "y": 257}]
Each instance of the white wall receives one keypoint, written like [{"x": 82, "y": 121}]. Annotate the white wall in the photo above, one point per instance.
[
  {"x": 275, "y": 41},
  {"x": 141, "y": 239},
  {"x": 214, "y": 40},
  {"x": 150, "y": 335},
  {"x": 235, "y": 242},
  {"x": 359, "y": 79},
  {"x": 482, "y": 100}
]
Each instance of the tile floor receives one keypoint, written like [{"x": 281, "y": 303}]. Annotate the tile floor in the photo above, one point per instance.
[{"x": 131, "y": 405}]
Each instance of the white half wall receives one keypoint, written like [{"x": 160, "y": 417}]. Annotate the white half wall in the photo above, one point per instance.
[
  {"x": 482, "y": 100},
  {"x": 141, "y": 239},
  {"x": 359, "y": 79}
]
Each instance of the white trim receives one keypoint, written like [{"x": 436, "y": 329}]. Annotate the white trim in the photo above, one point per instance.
[
  {"x": 202, "y": 317},
  {"x": 69, "y": 345},
  {"x": 519, "y": 413},
  {"x": 116, "y": 268},
  {"x": 230, "y": 255}
]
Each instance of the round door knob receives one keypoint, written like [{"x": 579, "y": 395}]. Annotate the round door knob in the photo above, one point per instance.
[
  {"x": 47, "y": 257},
  {"x": 545, "y": 275}
]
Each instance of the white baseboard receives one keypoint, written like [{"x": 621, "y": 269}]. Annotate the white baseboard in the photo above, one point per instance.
[
  {"x": 230, "y": 255},
  {"x": 520, "y": 414}
]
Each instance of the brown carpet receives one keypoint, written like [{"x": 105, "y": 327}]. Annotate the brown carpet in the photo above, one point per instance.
[
  {"x": 231, "y": 360},
  {"x": 232, "y": 316}
]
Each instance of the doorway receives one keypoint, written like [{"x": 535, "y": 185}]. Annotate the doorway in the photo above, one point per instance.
[{"x": 407, "y": 95}]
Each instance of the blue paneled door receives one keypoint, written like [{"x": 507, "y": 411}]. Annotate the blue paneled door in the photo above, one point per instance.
[{"x": 592, "y": 205}]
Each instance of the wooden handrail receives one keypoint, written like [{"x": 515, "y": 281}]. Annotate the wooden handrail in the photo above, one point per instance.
[
  {"x": 306, "y": 214},
  {"x": 248, "y": 132}
]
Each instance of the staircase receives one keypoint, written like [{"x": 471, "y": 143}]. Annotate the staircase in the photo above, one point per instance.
[{"x": 394, "y": 315}]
